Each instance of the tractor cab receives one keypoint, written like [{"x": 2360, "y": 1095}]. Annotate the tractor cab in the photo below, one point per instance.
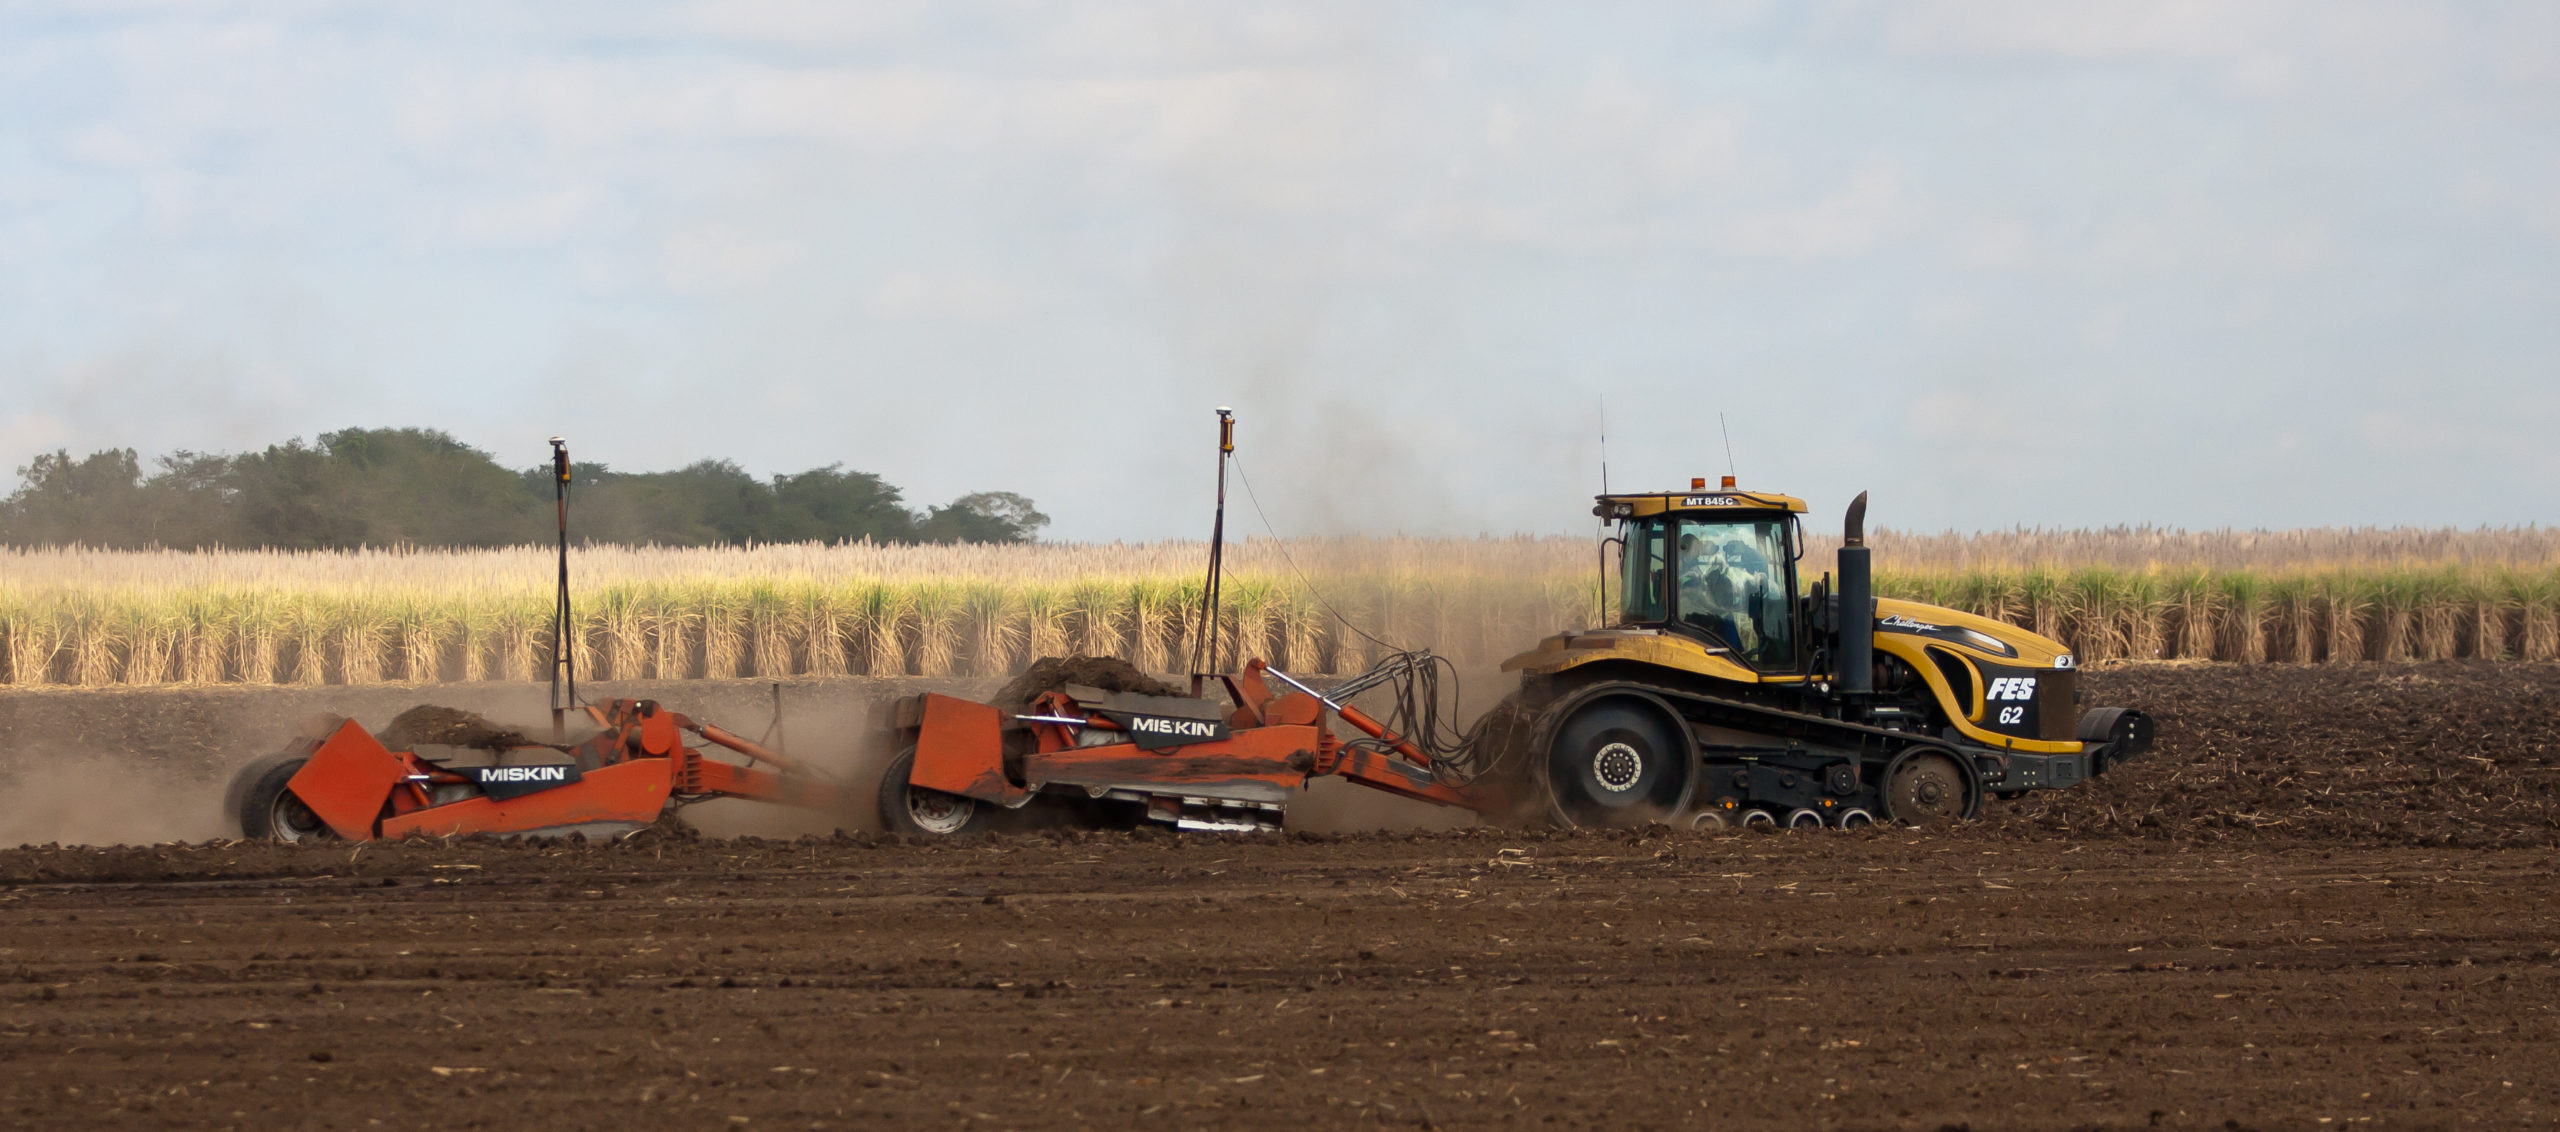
[{"x": 1715, "y": 565}]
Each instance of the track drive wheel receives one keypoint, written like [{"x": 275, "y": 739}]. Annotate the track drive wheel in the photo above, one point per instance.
[
  {"x": 267, "y": 808},
  {"x": 906, "y": 808},
  {"x": 1615, "y": 763},
  {"x": 1927, "y": 790}
]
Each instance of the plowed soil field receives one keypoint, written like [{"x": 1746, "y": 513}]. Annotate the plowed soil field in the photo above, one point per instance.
[{"x": 2328, "y": 900}]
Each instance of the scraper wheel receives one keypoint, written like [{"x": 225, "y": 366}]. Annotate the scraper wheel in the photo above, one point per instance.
[
  {"x": 268, "y": 808},
  {"x": 906, "y": 808}
]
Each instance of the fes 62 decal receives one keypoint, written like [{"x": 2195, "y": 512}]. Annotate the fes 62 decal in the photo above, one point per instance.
[{"x": 2006, "y": 693}]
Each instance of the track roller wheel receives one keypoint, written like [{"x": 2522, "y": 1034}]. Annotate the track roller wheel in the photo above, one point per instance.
[
  {"x": 912, "y": 809},
  {"x": 1710, "y": 819},
  {"x": 1806, "y": 818},
  {"x": 267, "y": 808},
  {"x": 1616, "y": 763},
  {"x": 1762, "y": 819},
  {"x": 1928, "y": 790},
  {"x": 1854, "y": 818}
]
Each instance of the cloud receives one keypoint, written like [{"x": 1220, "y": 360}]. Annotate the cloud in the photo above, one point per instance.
[
  {"x": 31, "y": 431},
  {"x": 718, "y": 257},
  {"x": 527, "y": 218},
  {"x": 2533, "y": 207},
  {"x": 112, "y": 145},
  {"x": 1849, "y": 220},
  {"x": 951, "y": 293},
  {"x": 2198, "y": 237},
  {"x": 2510, "y": 435},
  {"x": 1996, "y": 243},
  {"x": 2272, "y": 49},
  {"x": 155, "y": 396},
  {"x": 838, "y": 228},
  {"x": 2091, "y": 29}
]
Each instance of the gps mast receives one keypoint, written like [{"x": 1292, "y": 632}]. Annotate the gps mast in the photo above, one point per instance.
[
  {"x": 564, "y": 676},
  {"x": 1204, "y": 651}
]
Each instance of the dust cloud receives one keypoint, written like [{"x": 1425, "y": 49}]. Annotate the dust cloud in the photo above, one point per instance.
[
  {"x": 103, "y": 800},
  {"x": 846, "y": 740}
]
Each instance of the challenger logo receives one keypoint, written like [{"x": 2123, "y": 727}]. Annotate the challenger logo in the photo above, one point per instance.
[
  {"x": 1156, "y": 732},
  {"x": 504, "y": 782}
]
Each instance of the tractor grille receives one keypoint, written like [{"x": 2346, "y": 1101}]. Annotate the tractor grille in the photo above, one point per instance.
[{"x": 2058, "y": 717}]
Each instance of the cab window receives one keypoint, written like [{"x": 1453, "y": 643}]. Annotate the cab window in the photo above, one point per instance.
[
  {"x": 1733, "y": 584},
  {"x": 1645, "y": 592}
]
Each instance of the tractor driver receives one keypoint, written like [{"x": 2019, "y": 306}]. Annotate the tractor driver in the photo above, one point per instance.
[{"x": 1719, "y": 578}]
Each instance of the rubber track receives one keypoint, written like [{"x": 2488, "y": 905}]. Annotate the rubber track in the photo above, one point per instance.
[{"x": 1856, "y": 737}]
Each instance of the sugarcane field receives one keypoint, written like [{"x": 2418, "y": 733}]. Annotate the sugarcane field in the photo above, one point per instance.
[{"x": 1954, "y": 566}]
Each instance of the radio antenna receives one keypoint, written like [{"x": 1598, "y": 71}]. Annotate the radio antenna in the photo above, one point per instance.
[
  {"x": 1728, "y": 443},
  {"x": 1601, "y": 616},
  {"x": 1604, "y": 444}
]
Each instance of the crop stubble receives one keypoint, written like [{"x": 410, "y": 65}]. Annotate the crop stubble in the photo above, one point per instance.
[
  {"x": 1459, "y": 979},
  {"x": 2065, "y": 963}
]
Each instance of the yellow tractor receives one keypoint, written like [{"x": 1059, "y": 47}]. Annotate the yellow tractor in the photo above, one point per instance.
[{"x": 1726, "y": 689}]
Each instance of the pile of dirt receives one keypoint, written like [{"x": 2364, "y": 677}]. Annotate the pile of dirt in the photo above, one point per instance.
[
  {"x": 429, "y": 725},
  {"x": 1050, "y": 673}
]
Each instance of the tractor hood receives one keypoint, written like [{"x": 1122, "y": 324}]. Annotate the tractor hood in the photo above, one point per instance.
[{"x": 1995, "y": 641}]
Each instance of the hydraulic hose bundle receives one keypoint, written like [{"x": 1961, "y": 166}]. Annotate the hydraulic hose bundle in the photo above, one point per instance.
[{"x": 1418, "y": 712}]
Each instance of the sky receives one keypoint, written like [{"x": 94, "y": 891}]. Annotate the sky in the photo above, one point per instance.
[{"x": 2000, "y": 263}]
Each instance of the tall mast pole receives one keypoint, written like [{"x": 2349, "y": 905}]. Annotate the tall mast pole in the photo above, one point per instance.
[
  {"x": 1204, "y": 652},
  {"x": 564, "y": 676}
]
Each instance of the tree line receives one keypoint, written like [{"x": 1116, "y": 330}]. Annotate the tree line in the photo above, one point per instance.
[{"x": 420, "y": 487}]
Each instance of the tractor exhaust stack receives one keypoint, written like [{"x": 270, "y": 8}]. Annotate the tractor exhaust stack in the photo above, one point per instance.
[{"x": 1857, "y": 623}]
